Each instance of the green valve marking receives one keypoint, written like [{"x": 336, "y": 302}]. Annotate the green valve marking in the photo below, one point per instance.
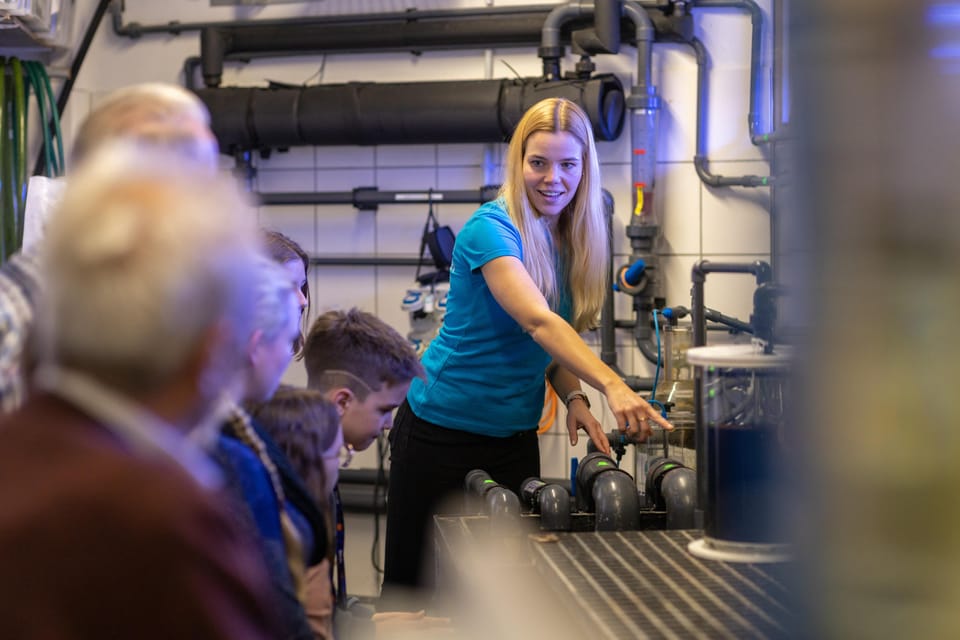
[
  {"x": 603, "y": 464},
  {"x": 489, "y": 482}
]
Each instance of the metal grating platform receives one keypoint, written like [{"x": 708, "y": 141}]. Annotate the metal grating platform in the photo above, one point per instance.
[{"x": 645, "y": 584}]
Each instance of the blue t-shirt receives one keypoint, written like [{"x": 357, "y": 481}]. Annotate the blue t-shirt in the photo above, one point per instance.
[{"x": 485, "y": 374}]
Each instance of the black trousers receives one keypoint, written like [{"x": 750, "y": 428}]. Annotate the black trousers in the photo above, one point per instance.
[{"x": 427, "y": 468}]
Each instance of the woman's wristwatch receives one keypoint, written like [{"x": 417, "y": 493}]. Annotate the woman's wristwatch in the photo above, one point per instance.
[{"x": 573, "y": 395}]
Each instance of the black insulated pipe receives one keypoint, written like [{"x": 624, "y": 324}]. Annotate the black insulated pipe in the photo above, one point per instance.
[
  {"x": 410, "y": 31},
  {"x": 370, "y": 198},
  {"x": 399, "y": 113},
  {"x": 135, "y": 30},
  {"x": 416, "y": 31}
]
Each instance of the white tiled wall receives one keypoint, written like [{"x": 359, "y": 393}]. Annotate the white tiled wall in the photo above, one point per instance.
[{"x": 698, "y": 221}]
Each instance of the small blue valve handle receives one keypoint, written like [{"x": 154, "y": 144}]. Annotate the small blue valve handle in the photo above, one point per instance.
[{"x": 633, "y": 274}]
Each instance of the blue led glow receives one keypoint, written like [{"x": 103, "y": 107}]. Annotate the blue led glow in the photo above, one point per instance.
[
  {"x": 944, "y": 14},
  {"x": 945, "y": 51}
]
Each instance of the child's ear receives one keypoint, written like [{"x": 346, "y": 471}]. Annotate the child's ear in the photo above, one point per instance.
[
  {"x": 342, "y": 397},
  {"x": 252, "y": 345}
]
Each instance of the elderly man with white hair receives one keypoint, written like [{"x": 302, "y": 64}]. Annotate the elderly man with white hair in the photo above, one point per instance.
[
  {"x": 110, "y": 525},
  {"x": 158, "y": 114}
]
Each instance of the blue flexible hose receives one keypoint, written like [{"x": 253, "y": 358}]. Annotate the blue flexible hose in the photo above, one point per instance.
[{"x": 656, "y": 373}]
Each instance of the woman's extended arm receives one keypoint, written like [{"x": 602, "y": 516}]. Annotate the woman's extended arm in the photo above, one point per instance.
[{"x": 516, "y": 292}]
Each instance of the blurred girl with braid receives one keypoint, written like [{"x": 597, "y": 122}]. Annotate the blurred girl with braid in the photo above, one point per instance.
[{"x": 287, "y": 538}]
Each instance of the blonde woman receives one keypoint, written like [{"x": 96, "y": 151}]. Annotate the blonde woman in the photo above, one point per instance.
[{"x": 528, "y": 275}]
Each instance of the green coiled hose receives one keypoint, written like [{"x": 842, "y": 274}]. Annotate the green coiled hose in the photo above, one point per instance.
[
  {"x": 20, "y": 145},
  {"x": 40, "y": 89},
  {"x": 55, "y": 115},
  {"x": 6, "y": 215},
  {"x": 16, "y": 78}
]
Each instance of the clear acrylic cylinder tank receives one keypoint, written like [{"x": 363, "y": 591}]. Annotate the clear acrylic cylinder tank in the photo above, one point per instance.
[{"x": 745, "y": 395}]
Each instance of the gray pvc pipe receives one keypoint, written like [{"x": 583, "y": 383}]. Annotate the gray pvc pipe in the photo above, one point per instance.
[
  {"x": 645, "y": 33},
  {"x": 756, "y": 26},
  {"x": 552, "y": 26},
  {"x": 502, "y": 503},
  {"x": 616, "y": 502},
  {"x": 679, "y": 491},
  {"x": 554, "y": 504},
  {"x": 550, "y": 501},
  {"x": 604, "y": 36},
  {"x": 550, "y": 48},
  {"x": 642, "y": 95}
]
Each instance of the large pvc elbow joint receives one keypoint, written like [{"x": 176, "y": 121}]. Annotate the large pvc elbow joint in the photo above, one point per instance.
[
  {"x": 551, "y": 501},
  {"x": 611, "y": 491},
  {"x": 672, "y": 487},
  {"x": 501, "y": 504}
]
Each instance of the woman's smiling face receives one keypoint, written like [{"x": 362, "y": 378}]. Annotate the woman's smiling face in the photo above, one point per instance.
[{"x": 552, "y": 169}]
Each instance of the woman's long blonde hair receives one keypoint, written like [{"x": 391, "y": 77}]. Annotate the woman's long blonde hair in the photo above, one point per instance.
[{"x": 582, "y": 231}]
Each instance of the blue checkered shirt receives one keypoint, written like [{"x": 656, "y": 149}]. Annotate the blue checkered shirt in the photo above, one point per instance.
[{"x": 19, "y": 286}]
